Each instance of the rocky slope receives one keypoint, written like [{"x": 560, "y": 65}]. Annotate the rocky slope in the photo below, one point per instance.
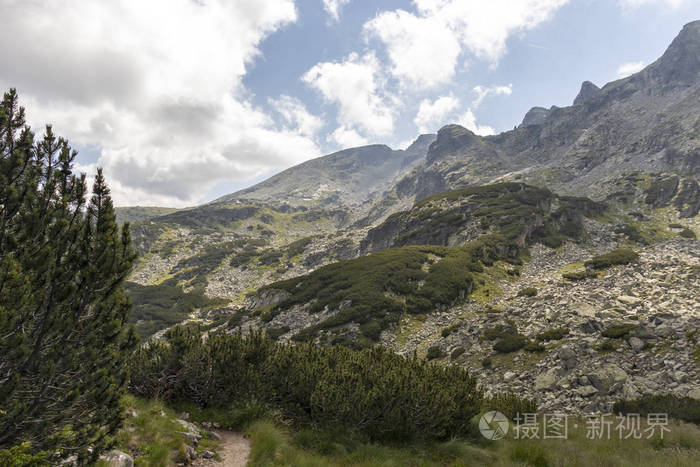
[
  {"x": 345, "y": 178},
  {"x": 648, "y": 122}
]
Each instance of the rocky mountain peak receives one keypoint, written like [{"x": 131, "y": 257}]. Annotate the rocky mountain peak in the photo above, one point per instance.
[
  {"x": 535, "y": 116},
  {"x": 680, "y": 64},
  {"x": 451, "y": 139},
  {"x": 588, "y": 91}
]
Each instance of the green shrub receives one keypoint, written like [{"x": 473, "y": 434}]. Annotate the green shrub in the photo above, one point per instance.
[
  {"x": 446, "y": 331},
  {"x": 510, "y": 344},
  {"x": 457, "y": 352},
  {"x": 527, "y": 292},
  {"x": 22, "y": 456},
  {"x": 687, "y": 233},
  {"x": 680, "y": 408},
  {"x": 157, "y": 307},
  {"x": 533, "y": 346},
  {"x": 275, "y": 333},
  {"x": 613, "y": 258},
  {"x": 675, "y": 226},
  {"x": 618, "y": 331},
  {"x": 434, "y": 352},
  {"x": 510, "y": 405},
  {"x": 630, "y": 231},
  {"x": 487, "y": 362},
  {"x": 500, "y": 330},
  {"x": 297, "y": 247},
  {"x": 579, "y": 275},
  {"x": 608, "y": 345},
  {"x": 553, "y": 334},
  {"x": 371, "y": 329},
  {"x": 378, "y": 393}
]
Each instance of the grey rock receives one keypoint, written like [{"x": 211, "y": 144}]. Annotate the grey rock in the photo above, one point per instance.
[
  {"x": 606, "y": 376},
  {"x": 117, "y": 458},
  {"x": 694, "y": 393},
  {"x": 588, "y": 91},
  {"x": 586, "y": 391},
  {"x": 636, "y": 343},
  {"x": 629, "y": 300}
]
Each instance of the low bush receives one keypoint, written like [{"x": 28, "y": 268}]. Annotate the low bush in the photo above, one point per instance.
[
  {"x": 157, "y": 307},
  {"x": 499, "y": 331},
  {"x": 434, "y": 352},
  {"x": 553, "y": 334},
  {"x": 457, "y": 352},
  {"x": 527, "y": 292},
  {"x": 510, "y": 344},
  {"x": 275, "y": 333},
  {"x": 452, "y": 328},
  {"x": 579, "y": 275},
  {"x": 613, "y": 258},
  {"x": 675, "y": 226},
  {"x": 487, "y": 362},
  {"x": 630, "y": 231},
  {"x": 510, "y": 405},
  {"x": 687, "y": 233},
  {"x": 533, "y": 346},
  {"x": 608, "y": 345},
  {"x": 374, "y": 391},
  {"x": 681, "y": 408},
  {"x": 618, "y": 331}
]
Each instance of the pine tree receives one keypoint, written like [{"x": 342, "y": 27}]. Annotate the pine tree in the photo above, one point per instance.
[{"x": 64, "y": 332}]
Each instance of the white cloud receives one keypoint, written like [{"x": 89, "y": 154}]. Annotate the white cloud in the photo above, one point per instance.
[
  {"x": 468, "y": 121},
  {"x": 333, "y": 7},
  {"x": 482, "y": 92},
  {"x": 161, "y": 94},
  {"x": 424, "y": 47},
  {"x": 295, "y": 115},
  {"x": 638, "y": 3},
  {"x": 432, "y": 114},
  {"x": 423, "y": 52},
  {"x": 356, "y": 87},
  {"x": 347, "y": 137},
  {"x": 630, "y": 68}
]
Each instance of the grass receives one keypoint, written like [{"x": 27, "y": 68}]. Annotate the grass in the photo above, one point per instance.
[
  {"x": 153, "y": 436},
  {"x": 273, "y": 444}
]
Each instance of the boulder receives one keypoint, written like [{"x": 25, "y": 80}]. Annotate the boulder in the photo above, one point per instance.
[
  {"x": 116, "y": 458},
  {"x": 605, "y": 377},
  {"x": 629, "y": 300},
  {"x": 636, "y": 343},
  {"x": 586, "y": 391},
  {"x": 694, "y": 393},
  {"x": 547, "y": 380}
]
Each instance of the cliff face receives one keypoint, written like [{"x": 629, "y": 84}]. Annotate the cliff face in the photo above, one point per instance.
[{"x": 648, "y": 122}]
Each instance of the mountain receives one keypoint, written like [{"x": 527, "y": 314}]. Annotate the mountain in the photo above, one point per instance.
[
  {"x": 646, "y": 123},
  {"x": 347, "y": 177},
  {"x": 140, "y": 213},
  {"x": 558, "y": 261}
]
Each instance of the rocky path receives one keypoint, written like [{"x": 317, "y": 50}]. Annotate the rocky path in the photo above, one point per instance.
[{"x": 234, "y": 450}]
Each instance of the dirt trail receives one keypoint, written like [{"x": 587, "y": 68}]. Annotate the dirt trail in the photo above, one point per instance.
[{"x": 234, "y": 449}]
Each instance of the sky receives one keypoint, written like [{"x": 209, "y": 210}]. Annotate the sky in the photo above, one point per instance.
[{"x": 182, "y": 101}]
